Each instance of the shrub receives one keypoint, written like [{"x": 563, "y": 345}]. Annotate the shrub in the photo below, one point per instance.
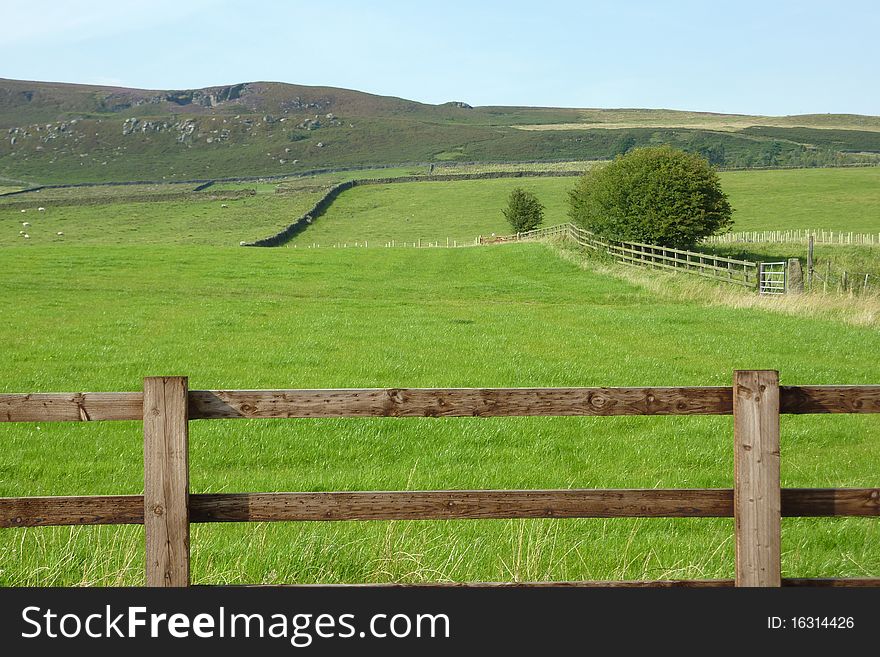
[
  {"x": 524, "y": 211},
  {"x": 656, "y": 195}
]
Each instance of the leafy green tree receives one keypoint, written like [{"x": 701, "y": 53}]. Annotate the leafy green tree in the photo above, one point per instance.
[
  {"x": 524, "y": 211},
  {"x": 658, "y": 195}
]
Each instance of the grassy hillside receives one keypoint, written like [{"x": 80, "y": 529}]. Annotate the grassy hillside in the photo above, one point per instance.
[
  {"x": 162, "y": 222},
  {"x": 69, "y": 133},
  {"x": 823, "y": 198},
  {"x": 87, "y": 318},
  {"x": 430, "y": 211},
  {"x": 644, "y": 118},
  {"x": 837, "y": 199}
]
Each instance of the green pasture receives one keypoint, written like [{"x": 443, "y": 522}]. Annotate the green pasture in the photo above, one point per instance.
[
  {"x": 829, "y": 199},
  {"x": 94, "y": 193},
  {"x": 154, "y": 222},
  {"x": 102, "y": 318},
  {"x": 835, "y": 199},
  {"x": 431, "y": 211}
]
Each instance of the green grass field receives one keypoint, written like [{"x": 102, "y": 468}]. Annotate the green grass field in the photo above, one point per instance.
[
  {"x": 836, "y": 199},
  {"x": 87, "y": 318},
  {"x": 155, "y": 222},
  {"x": 151, "y": 288},
  {"x": 430, "y": 211}
]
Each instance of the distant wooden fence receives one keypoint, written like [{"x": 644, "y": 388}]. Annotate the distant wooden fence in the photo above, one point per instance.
[
  {"x": 727, "y": 270},
  {"x": 166, "y": 508},
  {"x": 796, "y": 237}
]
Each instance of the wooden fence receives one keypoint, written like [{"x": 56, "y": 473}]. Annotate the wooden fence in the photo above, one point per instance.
[
  {"x": 166, "y": 508},
  {"x": 727, "y": 270}
]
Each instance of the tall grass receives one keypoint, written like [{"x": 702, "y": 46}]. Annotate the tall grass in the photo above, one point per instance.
[{"x": 854, "y": 309}]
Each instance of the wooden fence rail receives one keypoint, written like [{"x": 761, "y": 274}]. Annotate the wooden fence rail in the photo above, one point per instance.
[{"x": 166, "y": 509}]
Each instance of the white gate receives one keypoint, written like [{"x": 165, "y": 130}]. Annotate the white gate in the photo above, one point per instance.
[{"x": 772, "y": 279}]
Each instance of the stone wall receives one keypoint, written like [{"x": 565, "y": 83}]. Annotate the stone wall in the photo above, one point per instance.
[{"x": 326, "y": 201}]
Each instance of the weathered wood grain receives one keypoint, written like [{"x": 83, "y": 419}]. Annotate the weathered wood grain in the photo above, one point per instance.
[
  {"x": 757, "y": 497},
  {"x": 829, "y": 399},
  {"x": 433, "y": 402},
  {"x": 804, "y": 502},
  {"x": 462, "y": 504},
  {"x": 459, "y": 402},
  {"x": 166, "y": 481},
  {"x": 76, "y": 510},
  {"x": 245, "y": 507},
  {"x": 71, "y": 406},
  {"x": 567, "y": 503}
]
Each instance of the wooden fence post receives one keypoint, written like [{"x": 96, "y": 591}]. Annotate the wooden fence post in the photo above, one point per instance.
[
  {"x": 166, "y": 481},
  {"x": 756, "y": 506}
]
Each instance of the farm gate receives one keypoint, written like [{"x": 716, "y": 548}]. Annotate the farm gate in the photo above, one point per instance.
[{"x": 772, "y": 278}]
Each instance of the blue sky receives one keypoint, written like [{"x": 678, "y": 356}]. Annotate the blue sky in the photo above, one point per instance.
[{"x": 770, "y": 57}]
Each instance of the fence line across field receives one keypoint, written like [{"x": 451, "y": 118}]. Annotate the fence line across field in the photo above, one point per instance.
[
  {"x": 720, "y": 268},
  {"x": 166, "y": 406},
  {"x": 446, "y": 243},
  {"x": 797, "y": 236},
  {"x": 587, "y": 239},
  {"x": 765, "y": 278}
]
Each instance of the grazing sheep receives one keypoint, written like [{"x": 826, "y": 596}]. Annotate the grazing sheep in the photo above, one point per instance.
[
  {"x": 41, "y": 209},
  {"x": 26, "y": 236},
  {"x": 23, "y": 211},
  {"x": 21, "y": 232},
  {"x": 60, "y": 232},
  {"x": 25, "y": 224},
  {"x": 223, "y": 205}
]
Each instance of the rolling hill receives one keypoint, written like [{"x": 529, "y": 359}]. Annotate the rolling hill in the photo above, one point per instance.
[{"x": 54, "y": 132}]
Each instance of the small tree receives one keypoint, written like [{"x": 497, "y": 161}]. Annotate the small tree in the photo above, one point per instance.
[
  {"x": 524, "y": 211},
  {"x": 656, "y": 195}
]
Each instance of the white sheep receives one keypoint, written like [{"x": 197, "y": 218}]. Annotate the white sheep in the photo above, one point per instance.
[
  {"x": 41, "y": 209},
  {"x": 25, "y": 224},
  {"x": 26, "y": 236},
  {"x": 223, "y": 205},
  {"x": 60, "y": 233},
  {"x": 21, "y": 232},
  {"x": 23, "y": 211}
]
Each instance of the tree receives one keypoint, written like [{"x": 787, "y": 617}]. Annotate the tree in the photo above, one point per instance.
[
  {"x": 659, "y": 196},
  {"x": 524, "y": 211}
]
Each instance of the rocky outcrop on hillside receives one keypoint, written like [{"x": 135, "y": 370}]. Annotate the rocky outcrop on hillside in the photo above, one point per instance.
[
  {"x": 43, "y": 132},
  {"x": 210, "y": 97},
  {"x": 119, "y": 101},
  {"x": 297, "y": 104}
]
